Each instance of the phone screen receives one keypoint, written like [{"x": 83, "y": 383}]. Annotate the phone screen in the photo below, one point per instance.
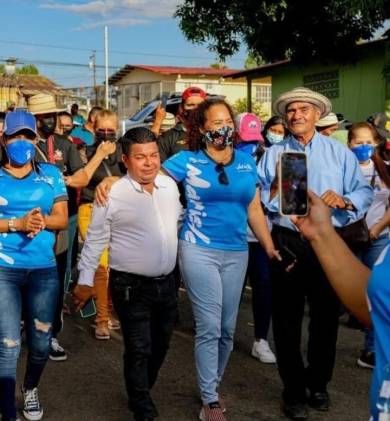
[
  {"x": 164, "y": 100},
  {"x": 293, "y": 183},
  {"x": 89, "y": 309}
]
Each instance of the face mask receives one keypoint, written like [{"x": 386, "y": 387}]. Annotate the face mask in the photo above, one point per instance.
[
  {"x": 363, "y": 152},
  {"x": 20, "y": 152},
  {"x": 47, "y": 126},
  {"x": 101, "y": 136},
  {"x": 220, "y": 137},
  {"x": 274, "y": 138}
]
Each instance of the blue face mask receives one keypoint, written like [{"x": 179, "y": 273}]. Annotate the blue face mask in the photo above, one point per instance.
[
  {"x": 20, "y": 152},
  {"x": 274, "y": 138},
  {"x": 363, "y": 152}
]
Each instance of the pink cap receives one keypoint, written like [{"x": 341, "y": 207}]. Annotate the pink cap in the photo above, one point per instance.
[{"x": 249, "y": 127}]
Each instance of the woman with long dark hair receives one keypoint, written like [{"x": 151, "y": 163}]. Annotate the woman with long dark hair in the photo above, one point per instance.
[
  {"x": 364, "y": 140},
  {"x": 32, "y": 208},
  {"x": 221, "y": 190},
  {"x": 274, "y": 131}
]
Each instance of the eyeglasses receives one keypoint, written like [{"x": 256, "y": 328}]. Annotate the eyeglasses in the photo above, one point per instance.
[{"x": 222, "y": 177}]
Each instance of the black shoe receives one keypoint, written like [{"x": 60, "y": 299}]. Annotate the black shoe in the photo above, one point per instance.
[
  {"x": 366, "y": 359},
  {"x": 295, "y": 411},
  {"x": 319, "y": 401}
]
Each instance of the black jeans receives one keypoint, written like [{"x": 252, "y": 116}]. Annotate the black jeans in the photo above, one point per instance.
[
  {"x": 147, "y": 309},
  {"x": 306, "y": 281},
  {"x": 260, "y": 280}
]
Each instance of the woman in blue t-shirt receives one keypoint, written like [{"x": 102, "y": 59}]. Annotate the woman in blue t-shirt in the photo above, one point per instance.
[
  {"x": 221, "y": 190},
  {"x": 364, "y": 292},
  {"x": 32, "y": 207}
]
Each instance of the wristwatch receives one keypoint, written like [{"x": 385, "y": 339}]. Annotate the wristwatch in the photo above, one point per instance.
[
  {"x": 11, "y": 225},
  {"x": 348, "y": 203}
]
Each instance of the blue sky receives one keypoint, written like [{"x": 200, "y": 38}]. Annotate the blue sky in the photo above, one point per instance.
[{"x": 140, "y": 32}]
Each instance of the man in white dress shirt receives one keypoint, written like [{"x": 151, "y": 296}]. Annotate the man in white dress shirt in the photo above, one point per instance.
[{"x": 139, "y": 225}]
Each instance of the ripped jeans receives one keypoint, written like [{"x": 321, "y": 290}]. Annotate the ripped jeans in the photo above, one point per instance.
[{"x": 37, "y": 291}]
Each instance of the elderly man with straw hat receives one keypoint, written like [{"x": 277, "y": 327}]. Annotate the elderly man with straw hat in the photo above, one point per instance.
[{"x": 334, "y": 175}]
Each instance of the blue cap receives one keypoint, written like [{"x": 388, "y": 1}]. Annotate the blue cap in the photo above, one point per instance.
[{"x": 18, "y": 120}]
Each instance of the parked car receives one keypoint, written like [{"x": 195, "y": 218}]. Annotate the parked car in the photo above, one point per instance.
[{"x": 145, "y": 116}]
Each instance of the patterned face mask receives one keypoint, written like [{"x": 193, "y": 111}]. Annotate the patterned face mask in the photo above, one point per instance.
[{"x": 220, "y": 137}]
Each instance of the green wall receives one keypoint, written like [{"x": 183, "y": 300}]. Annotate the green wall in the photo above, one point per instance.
[{"x": 361, "y": 87}]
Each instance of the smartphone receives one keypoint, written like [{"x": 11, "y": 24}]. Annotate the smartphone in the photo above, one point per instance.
[
  {"x": 288, "y": 256},
  {"x": 89, "y": 309},
  {"x": 164, "y": 100},
  {"x": 293, "y": 198}
]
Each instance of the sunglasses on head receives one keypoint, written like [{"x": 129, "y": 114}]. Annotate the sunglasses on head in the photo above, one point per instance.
[{"x": 222, "y": 177}]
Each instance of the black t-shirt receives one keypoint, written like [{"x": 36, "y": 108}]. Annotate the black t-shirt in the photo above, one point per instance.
[
  {"x": 67, "y": 159},
  {"x": 112, "y": 165},
  {"x": 171, "y": 142}
]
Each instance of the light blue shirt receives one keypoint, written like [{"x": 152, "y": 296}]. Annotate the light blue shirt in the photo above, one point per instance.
[
  {"x": 331, "y": 166},
  {"x": 379, "y": 302},
  {"x": 217, "y": 214},
  {"x": 39, "y": 189}
]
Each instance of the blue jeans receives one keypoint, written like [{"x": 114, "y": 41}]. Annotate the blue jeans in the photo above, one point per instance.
[
  {"x": 37, "y": 290},
  {"x": 369, "y": 257},
  {"x": 214, "y": 280}
]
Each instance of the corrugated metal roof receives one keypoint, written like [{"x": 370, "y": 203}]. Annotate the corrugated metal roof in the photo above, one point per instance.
[{"x": 170, "y": 70}]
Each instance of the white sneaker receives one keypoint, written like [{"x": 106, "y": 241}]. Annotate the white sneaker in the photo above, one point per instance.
[
  {"x": 32, "y": 409},
  {"x": 263, "y": 352},
  {"x": 57, "y": 353}
]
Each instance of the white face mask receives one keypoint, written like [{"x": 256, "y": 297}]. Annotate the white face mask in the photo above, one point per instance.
[{"x": 274, "y": 138}]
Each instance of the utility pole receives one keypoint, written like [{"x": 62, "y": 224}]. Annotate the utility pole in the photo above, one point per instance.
[
  {"x": 92, "y": 65},
  {"x": 106, "y": 62}
]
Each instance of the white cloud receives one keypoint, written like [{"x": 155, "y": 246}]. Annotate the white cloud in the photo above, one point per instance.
[
  {"x": 121, "y": 22},
  {"x": 118, "y": 8}
]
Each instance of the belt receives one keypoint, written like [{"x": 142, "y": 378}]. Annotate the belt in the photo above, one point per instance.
[{"x": 135, "y": 276}]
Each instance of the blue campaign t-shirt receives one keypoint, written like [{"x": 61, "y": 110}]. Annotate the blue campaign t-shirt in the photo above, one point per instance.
[
  {"x": 216, "y": 214},
  {"x": 39, "y": 189},
  {"x": 379, "y": 301}
]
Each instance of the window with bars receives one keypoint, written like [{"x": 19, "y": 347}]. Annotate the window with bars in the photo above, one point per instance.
[{"x": 263, "y": 94}]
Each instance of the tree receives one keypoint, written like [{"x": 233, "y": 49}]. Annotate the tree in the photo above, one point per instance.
[
  {"x": 27, "y": 69},
  {"x": 280, "y": 29},
  {"x": 218, "y": 65},
  {"x": 240, "y": 106},
  {"x": 252, "y": 61}
]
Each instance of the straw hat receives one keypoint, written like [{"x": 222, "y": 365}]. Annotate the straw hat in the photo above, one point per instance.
[
  {"x": 302, "y": 95},
  {"x": 169, "y": 121},
  {"x": 329, "y": 120},
  {"x": 43, "y": 104}
]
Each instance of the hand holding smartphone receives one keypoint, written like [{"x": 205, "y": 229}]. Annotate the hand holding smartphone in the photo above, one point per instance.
[{"x": 293, "y": 197}]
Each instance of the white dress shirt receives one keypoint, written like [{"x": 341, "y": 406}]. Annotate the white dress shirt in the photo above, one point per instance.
[{"x": 139, "y": 228}]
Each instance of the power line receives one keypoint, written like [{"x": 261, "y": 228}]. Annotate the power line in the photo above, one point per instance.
[
  {"x": 134, "y": 53},
  {"x": 57, "y": 63}
]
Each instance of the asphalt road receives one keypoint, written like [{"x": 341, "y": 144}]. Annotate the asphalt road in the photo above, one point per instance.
[{"x": 89, "y": 385}]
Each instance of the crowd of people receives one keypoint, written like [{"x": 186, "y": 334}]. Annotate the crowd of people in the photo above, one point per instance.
[{"x": 202, "y": 198}]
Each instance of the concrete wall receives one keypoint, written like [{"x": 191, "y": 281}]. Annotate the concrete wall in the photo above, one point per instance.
[{"x": 140, "y": 86}]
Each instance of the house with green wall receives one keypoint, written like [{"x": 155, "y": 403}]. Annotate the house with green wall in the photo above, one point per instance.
[{"x": 356, "y": 90}]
